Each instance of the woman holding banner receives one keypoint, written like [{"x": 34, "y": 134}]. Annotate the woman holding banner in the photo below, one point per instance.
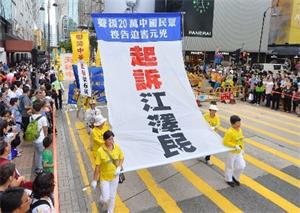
[{"x": 109, "y": 161}]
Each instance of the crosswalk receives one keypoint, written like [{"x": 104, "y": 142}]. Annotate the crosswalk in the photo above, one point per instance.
[{"x": 272, "y": 144}]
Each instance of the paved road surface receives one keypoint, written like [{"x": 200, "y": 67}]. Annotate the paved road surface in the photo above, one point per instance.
[{"x": 270, "y": 182}]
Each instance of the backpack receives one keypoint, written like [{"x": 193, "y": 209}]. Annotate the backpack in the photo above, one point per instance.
[
  {"x": 32, "y": 131},
  {"x": 38, "y": 203}
]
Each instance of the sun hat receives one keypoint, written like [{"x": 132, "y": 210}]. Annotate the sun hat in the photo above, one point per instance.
[
  {"x": 213, "y": 107},
  {"x": 99, "y": 120}
]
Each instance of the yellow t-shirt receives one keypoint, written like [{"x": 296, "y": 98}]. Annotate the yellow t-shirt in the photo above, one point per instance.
[
  {"x": 213, "y": 122},
  {"x": 107, "y": 167},
  {"x": 234, "y": 138},
  {"x": 97, "y": 137}
]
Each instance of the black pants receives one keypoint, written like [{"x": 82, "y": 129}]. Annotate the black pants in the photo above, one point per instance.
[
  {"x": 268, "y": 97},
  {"x": 287, "y": 104},
  {"x": 295, "y": 104},
  {"x": 25, "y": 122},
  {"x": 257, "y": 97},
  {"x": 275, "y": 101},
  {"x": 58, "y": 100}
]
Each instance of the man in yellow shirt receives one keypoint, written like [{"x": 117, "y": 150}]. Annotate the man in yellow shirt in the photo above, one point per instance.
[
  {"x": 100, "y": 126},
  {"x": 235, "y": 163},
  {"x": 214, "y": 122},
  {"x": 109, "y": 162}
]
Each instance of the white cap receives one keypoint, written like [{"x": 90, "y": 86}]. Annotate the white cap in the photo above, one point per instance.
[
  {"x": 231, "y": 71},
  {"x": 99, "y": 120},
  {"x": 213, "y": 107},
  {"x": 220, "y": 71},
  {"x": 213, "y": 70}
]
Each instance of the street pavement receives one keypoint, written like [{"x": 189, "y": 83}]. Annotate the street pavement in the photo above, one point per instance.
[{"x": 270, "y": 182}]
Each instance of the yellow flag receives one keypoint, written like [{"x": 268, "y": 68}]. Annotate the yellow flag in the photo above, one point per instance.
[
  {"x": 80, "y": 47},
  {"x": 98, "y": 61},
  {"x": 294, "y": 36}
]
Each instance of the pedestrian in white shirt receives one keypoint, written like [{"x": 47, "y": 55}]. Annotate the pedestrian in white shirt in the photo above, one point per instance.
[
  {"x": 269, "y": 84},
  {"x": 43, "y": 132}
]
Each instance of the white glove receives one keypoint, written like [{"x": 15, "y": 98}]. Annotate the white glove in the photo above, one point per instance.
[
  {"x": 94, "y": 184},
  {"x": 237, "y": 147},
  {"x": 118, "y": 171}
]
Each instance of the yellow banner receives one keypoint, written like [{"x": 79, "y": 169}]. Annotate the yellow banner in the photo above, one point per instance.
[
  {"x": 98, "y": 60},
  {"x": 294, "y": 36},
  {"x": 80, "y": 47}
]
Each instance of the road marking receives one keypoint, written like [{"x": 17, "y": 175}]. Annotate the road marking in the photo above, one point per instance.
[
  {"x": 272, "y": 170},
  {"x": 120, "y": 207},
  {"x": 82, "y": 169},
  {"x": 271, "y": 135},
  {"x": 163, "y": 199},
  {"x": 275, "y": 152},
  {"x": 264, "y": 123},
  {"x": 222, "y": 202},
  {"x": 265, "y": 116},
  {"x": 260, "y": 189},
  {"x": 273, "y": 113}
]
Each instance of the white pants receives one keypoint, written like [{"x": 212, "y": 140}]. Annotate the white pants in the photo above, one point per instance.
[
  {"x": 234, "y": 166},
  {"x": 108, "y": 193}
]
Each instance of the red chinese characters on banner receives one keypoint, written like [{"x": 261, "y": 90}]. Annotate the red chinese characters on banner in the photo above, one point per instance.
[
  {"x": 143, "y": 56},
  {"x": 145, "y": 78}
]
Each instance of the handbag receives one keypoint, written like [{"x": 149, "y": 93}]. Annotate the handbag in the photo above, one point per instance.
[{"x": 121, "y": 175}]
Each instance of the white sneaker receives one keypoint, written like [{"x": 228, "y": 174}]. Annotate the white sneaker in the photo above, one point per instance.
[{"x": 208, "y": 162}]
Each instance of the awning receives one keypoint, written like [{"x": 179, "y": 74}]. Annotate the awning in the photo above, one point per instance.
[
  {"x": 18, "y": 46},
  {"x": 284, "y": 50}
]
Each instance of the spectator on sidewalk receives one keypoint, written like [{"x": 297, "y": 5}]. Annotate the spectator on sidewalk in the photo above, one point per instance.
[
  {"x": 7, "y": 179},
  {"x": 15, "y": 200},
  {"x": 287, "y": 94},
  {"x": 25, "y": 107},
  {"x": 5, "y": 150},
  {"x": 235, "y": 163},
  {"x": 47, "y": 155},
  {"x": 43, "y": 132},
  {"x": 109, "y": 164},
  {"x": 269, "y": 84},
  {"x": 58, "y": 90},
  {"x": 42, "y": 190}
]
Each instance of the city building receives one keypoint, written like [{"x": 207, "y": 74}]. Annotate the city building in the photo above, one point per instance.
[{"x": 17, "y": 28}]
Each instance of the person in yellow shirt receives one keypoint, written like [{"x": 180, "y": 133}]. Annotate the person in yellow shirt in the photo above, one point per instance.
[
  {"x": 100, "y": 127},
  {"x": 109, "y": 164},
  {"x": 235, "y": 163},
  {"x": 214, "y": 122}
]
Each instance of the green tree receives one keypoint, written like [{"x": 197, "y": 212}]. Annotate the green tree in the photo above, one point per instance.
[{"x": 67, "y": 45}]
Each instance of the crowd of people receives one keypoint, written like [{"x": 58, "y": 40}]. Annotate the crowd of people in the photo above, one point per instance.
[
  {"x": 280, "y": 90},
  {"x": 28, "y": 96}
]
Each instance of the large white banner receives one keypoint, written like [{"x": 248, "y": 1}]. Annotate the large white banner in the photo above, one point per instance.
[
  {"x": 84, "y": 79},
  {"x": 152, "y": 108}
]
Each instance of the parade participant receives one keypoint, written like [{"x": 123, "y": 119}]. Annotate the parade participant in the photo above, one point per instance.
[
  {"x": 214, "y": 122},
  {"x": 90, "y": 115},
  {"x": 100, "y": 127},
  {"x": 109, "y": 161},
  {"x": 235, "y": 163},
  {"x": 15, "y": 200}
]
